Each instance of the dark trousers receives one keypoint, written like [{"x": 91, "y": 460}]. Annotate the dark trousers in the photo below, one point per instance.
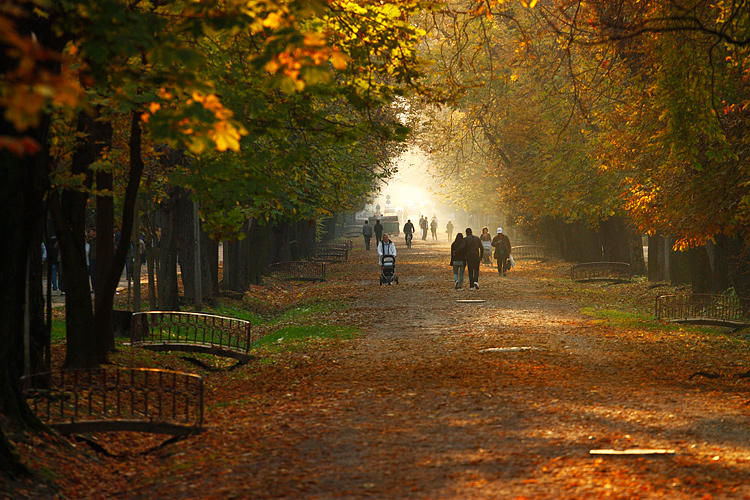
[
  {"x": 367, "y": 241},
  {"x": 472, "y": 266},
  {"x": 502, "y": 264},
  {"x": 92, "y": 273}
]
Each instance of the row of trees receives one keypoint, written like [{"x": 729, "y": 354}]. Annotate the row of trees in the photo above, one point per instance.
[
  {"x": 593, "y": 122},
  {"x": 267, "y": 114}
]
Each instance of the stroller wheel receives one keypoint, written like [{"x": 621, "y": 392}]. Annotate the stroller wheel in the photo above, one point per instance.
[
  {"x": 381, "y": 280},
  {"x": 396, "y": 279}
]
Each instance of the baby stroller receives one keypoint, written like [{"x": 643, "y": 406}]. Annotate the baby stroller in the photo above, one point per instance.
[{"x": 388, "y": 270}]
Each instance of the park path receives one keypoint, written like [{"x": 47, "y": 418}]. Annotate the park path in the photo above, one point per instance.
[{"x": 418, "y": 407}]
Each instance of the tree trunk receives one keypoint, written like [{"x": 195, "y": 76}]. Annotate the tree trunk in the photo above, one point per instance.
[
  {"x": 701, "y": 276},
  {"x": 167, "y": 285},
  {"x": 736, "y": 254},
  {"x": 68, "y": 211},
  {"x": 655, "y": 260},
  {"x": 136, "y": 264},
  {"x": 151, "y": 240},
  {"x": 616, "y": 240},
  {"x": 39, "y": 334},
  {"x": 679, "y": 266},
  {"x": 23, "y": 185},
  {"x": 258, "y": 242},
  {"x": 236, "y": 256},
  {"x": 210, "y": 247},
  {"x": 185, "y": 237},
  {"x": 105, "y": 230}
]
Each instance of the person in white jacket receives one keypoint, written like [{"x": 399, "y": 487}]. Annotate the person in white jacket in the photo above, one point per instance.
[{"x": 385, "y": 247}]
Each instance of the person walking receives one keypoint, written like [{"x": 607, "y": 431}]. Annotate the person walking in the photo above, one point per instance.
[
  {"x": 423, "y": 225},
  {"x": 433, "y": 229},
  {"x": 474, "y": 252},
  {"x": 367, "y": 233},
  {"x": 408, "y": 232},
  {"x": 52, "y": 257},
  {"x": 449, "y": 230},
  {"x": 501, "y": 243},
  {"x": 378, "y": 228},
  {"x": 385, "y": 247},
  {"x": 458, "y": 261},
  {"x": 486, "y": 239}
]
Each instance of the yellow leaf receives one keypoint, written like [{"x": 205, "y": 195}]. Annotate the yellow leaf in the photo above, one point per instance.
[
  {"x": 273, "y": 20},
  {"x": 338, "y": 59},
  {"x": 314, "y": 39},
  {"x": 272, "y": 66}
]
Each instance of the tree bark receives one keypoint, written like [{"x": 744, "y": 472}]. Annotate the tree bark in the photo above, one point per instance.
[
  {"x": 23, "y": 185},
  {"x": 258, "y": 242},
  {"x": 655, "y": 260},
  {"x": 68, "y": 212},
  {"x": 236, "y": 256},
  {"x": 168, "y": 291},
  {"x": 701, "y": 276}
]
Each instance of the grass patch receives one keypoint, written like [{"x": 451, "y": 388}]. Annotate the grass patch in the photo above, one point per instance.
[
  {"x": 619, "y": 317},
  {"x": 300, "y": 312},
  {"x": 236, "y": 312},
  {"x": 292, "y": 337},
  {"x": 58, "y": 329},
  {"x": 635, "y": 320}
]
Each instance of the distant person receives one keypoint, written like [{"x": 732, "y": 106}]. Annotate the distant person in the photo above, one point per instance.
[
  {"x": 408, "y": 232},
  {"x": 378, "y": 228},
  {"x": 52, "y": 257},
  {"x": 433, "y": 229},
  {"x": 486, "y": 239},
  {"x": 449, "y": 230},
  {"x": 474, "y": 252},
  {"x": 367, "y": 233},
  {"x": 458, "y": 261},
  {"x": 501, "y": 243},
  {"x": 385, "y": 247},
  {"x": 424, "y": 225}
]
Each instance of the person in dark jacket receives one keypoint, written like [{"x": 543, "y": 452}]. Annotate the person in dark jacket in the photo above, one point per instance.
[
  {"x": 458, "y": 261},
  {"x": 367, "y": 234},
  {"x": 378, "y": 228},
  {"x": 474, "y": 252},
  {"x": 501, "y": 243}
]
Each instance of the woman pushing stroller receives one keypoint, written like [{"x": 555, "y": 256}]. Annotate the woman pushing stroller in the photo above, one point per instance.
[{"x": 387, "y": 256}]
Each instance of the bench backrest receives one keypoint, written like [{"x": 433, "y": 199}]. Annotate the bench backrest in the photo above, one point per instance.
[
  {"x": 144, "y": 399},
  {"x": 716, "y": 307},
  {"x": 172, "y": 327}
]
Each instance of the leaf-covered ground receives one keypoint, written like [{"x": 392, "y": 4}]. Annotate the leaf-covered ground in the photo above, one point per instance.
[{"x": 435, "y": 399}]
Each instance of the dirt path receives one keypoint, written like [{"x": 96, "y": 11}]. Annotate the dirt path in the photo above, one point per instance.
[{"x": 417, "y": 409}]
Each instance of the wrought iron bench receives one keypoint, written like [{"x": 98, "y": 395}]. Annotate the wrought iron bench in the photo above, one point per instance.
[
  {"x": 117, "y": 399},
  {"x": 299, "y": 270},
  {"x": 532, "y": 252},
  {"x": 614, "y": 272},
  {"x": 331, "y": 252},
  {"x": 704, "y": 309},
  {"x": 192, "y": 332}
]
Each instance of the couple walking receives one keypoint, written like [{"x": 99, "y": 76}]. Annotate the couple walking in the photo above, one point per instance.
[{"x": 468, "y": 252}]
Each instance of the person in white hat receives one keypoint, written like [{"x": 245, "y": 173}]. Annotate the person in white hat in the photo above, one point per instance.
[{"x": 501, "y": 243}]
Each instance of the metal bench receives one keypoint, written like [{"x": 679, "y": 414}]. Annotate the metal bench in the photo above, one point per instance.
[
  {"x": 330, "y": 252},
  {"x": 299, "y": 270},
  {"x": 117, "y": 399},
  {"x": 704, "y": 309},
  {"x": 532, "y": 252},
  {"x": 614, "y": 272},
  {"x": 192, "y": 332}
]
